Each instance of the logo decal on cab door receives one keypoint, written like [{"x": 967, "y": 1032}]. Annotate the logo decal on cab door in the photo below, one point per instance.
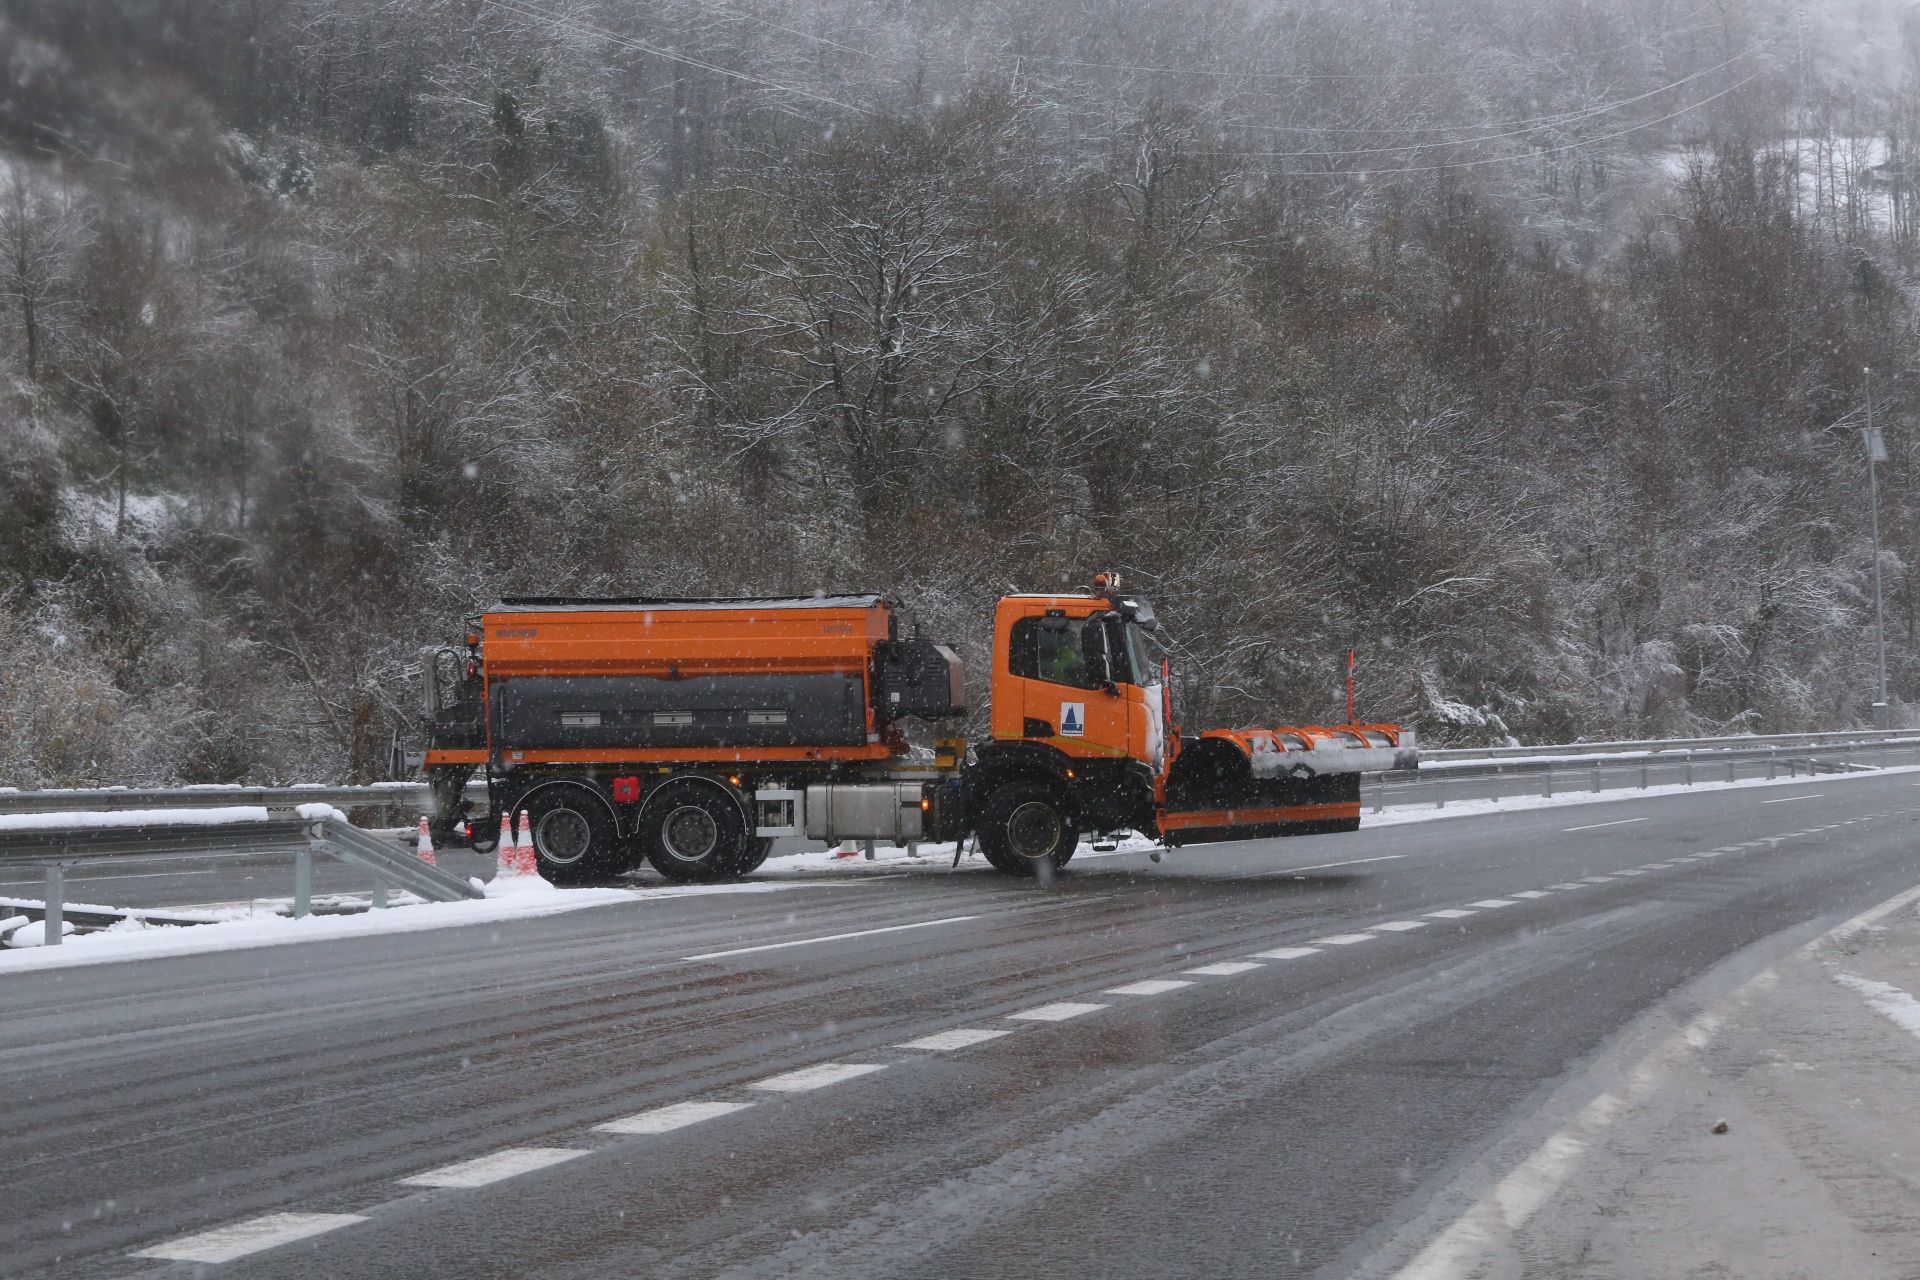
[{"x": 1073, "y": 719}]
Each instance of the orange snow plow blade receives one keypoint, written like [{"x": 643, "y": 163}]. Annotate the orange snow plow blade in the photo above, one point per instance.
[{"x": 1246, "y": 784}]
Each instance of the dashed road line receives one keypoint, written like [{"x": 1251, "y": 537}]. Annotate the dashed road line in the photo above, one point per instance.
[
  {"x": 493, "y": 1168},
  {"x": 1345, "y": 939},
  {"x": 1595, "y": 826},
  {"x": 1225, "y": 969},
  {"x": 1286, "y": 953},
  {"x": 1571, "y": 884},
  {"x": 1399, "y": 926},
  {"x": 1491, "y": 903},
  {"x": 237, "y": 1240},
  {"x": 1148, "y": 987},
  {"x": 958, "y": 1038},
  {"x": 818, "y": 1076},
  {"x": 677, "y": 1115},
  {"x": 1596, "y": 879},
  {"x": 1791, "y": 799},
  {"x": 1059, "y": 1012},
  {"x": 1452, "y": 913},
  {"x": 1531, "y": 893}
]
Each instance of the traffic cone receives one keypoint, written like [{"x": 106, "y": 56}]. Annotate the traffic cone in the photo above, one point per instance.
[
  {"x": 846, "y": 850},
  {"x": 423, "y": 847},
  {"x": 506, "y": 857},
  {"x": 529, "y": 861}
]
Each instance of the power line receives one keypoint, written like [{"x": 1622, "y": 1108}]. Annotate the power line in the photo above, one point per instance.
[
  {"x": 641, "y": 46},
  {"x": 1528, "y": 155},
  {"x": 1568, "y": 118}
]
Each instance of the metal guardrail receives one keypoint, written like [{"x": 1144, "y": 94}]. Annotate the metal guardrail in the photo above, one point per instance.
[
  {"x": 385, "y": 795},
  {"x": 1730, "y": 742},
  {"x": 1648, "y": 769},
  {"x": 57, "y": 848},
  {"x": 1474, "y": 767}
]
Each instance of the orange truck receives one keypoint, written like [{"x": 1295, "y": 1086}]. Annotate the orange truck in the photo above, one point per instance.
[{"x": 694, "y": 733}]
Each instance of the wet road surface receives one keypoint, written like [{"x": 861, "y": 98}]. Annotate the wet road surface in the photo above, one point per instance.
[{"x": 1256, "y": 1059}]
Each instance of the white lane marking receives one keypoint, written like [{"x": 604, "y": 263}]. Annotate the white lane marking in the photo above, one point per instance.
[
  {"x": 1574, "y": 884},
  {"x": 1345, "y": 939},
  {"x": 958, "y": 1038},
  {"x": 1286, "y": 953},
  {"x": 1452, "y": 913},
  {"x": 1655, "y": 866},
  {"x": 1353, "y": 862},
  {"x": 1595, "y": 879},
  {"x": 1595, "y": 826},
  {"x": 1399, "y": 926},
  {"x": 1225, "y": 969},
  {"x": 677, "y": 1115},
  {"x": 224, "y": 1244},
  {"x": 1531, "y": 893},
  {"x": 1491, "y": 903},
  {"x": 1790, "y": 799},
  {"x": 1629, "y": 871},
  {"x": 817, "y": 1076},
  {"x": 831, "y": 937},
  {"x": 1055, "y": 1012},
  {"x": 1149, "y": 987},
  {"x": 494, "y": 1168}
]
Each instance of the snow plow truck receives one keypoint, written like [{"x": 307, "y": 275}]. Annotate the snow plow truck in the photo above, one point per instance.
[{"x": 694, "y": 733}]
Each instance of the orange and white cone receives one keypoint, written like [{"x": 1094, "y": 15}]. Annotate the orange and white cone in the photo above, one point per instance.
[
  {"x": 423, "y": 847},
  {"x": 529, "y": 861},
  {"x": 506, "y": 857},
  {"x": 846, "y": 850}
]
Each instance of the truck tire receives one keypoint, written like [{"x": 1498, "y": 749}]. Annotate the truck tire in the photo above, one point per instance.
[
  {"x": 1026, "y": 825},
  {"x": 575, "y": 838},
  {"x": 694, "y": 829}
]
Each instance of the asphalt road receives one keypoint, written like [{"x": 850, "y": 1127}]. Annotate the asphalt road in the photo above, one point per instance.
[{"x": 1281, "y": 1115}]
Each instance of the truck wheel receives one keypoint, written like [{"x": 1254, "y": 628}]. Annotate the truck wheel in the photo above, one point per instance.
[
  {"x": 693, "y": 829},
  {"x": 1025, "y": 825},
  {"x": 574, "y": 837},
  {"x": 757, "y": 851}
]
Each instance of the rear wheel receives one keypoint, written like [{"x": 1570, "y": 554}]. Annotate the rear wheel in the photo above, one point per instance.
[
  {"x": 1026, "y": 829},
  {"x": 574, "y": 836},
  {"x": 694, "y": 829}
]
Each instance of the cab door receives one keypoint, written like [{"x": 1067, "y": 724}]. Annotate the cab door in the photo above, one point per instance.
[{"x": 1061, "y": 664}]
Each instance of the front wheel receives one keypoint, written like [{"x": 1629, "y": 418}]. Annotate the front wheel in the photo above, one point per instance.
[{"x": 1026, "y": 829}]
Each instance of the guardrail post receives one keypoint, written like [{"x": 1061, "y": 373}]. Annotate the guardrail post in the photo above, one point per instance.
[
  {"x": 1548, "y": 789},
  {"x": 302, "y": 883},
  {"x": 1773, "y": 765},
  {"x": 1689, "y": 781},
  {"x": 1643, "y": 777},
  {"x": 1729, "y": 771},
  {"x": 56, "y": 904},
  {"x": 1793, "y": 767},
  {"x": 1596, "y": 777},
  {"x": 1380, "y": 796},
  {"x": 379, "y": 893},
  {"x": 1439, "y": 793}
]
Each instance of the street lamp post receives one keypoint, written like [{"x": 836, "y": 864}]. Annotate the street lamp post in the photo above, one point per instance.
[{"x": 1876, "y": 454}]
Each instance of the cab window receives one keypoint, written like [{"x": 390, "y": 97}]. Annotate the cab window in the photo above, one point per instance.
[{"x": 1055, "y": 654}]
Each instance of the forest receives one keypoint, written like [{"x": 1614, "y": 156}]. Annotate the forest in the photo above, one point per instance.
[{"x": 1521, "y": 349}]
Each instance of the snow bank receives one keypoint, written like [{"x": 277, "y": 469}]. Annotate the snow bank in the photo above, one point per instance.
[{"x": 1888, "y": 1000}]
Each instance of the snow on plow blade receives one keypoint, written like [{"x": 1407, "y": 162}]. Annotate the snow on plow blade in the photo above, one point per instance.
[
  {"x": 1314, "y": 750},
  {"x": 1244, "y": 784}
]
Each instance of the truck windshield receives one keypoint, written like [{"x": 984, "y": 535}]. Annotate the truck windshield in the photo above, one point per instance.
[{"x": 1132, "y": 661}]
